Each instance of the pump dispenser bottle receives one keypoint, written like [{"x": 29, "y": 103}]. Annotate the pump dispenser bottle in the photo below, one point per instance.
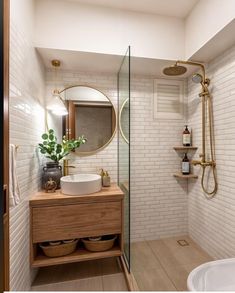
[
  {"x": 185, "y": 165},
  {"x": 186, "y": 137}
]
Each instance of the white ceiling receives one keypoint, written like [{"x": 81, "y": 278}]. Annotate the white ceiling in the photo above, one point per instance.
[
  {"x": 176, "y": 8},
  {"x": 103, "y": 63}
]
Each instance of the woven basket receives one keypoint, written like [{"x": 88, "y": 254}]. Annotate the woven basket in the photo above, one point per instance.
[
  {"x": 100, "y": 245},
  {"x": 59, "y": 250}
]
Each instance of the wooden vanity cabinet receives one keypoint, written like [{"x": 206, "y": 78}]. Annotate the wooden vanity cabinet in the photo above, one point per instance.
[{"x": 54, "y": 216}]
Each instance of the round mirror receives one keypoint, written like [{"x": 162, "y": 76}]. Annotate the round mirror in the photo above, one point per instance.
[
  {"x": 92, "y": 114},
  {"x": 124, "y": 120}
]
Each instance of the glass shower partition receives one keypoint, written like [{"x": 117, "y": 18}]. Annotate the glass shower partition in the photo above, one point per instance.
[{"x": 124, "y": 146}]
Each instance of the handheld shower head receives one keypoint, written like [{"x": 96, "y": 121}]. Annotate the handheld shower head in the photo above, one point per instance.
[
  {"x": 174, "y": 70},
  {"x": 197, "y": 78}
]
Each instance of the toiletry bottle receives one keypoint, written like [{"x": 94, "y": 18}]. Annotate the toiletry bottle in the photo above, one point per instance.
[
  {"x": 185, "y": 165},
  {"x": 102, "y": 174},
  {"x": 186, "y": 137},
  {"x": 106, "y": 179}
]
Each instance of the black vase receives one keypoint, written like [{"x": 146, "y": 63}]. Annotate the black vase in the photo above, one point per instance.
[{"x": 52, "y": 171}]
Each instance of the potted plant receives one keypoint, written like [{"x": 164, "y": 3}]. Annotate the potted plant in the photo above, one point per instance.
[{"x": 55, "y": 152}]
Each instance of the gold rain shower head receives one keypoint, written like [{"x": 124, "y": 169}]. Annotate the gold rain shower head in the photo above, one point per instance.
[{"x": 174, "y": 70}]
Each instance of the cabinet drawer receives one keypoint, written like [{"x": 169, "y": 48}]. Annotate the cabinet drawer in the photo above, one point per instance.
[{"x": 76, "y": 221}]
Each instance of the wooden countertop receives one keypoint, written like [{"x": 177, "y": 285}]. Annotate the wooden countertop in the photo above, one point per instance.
[{"x": 43, "y": 198}]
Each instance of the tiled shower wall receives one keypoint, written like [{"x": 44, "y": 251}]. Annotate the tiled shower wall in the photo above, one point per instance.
[
  {"x": 158, "y": 200},
  {"x": 26, "y": 125},
  {"x": 212, "y": 222},
  {"x": 106, "y": 158}
]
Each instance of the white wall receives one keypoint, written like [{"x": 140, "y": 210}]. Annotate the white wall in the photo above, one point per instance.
[
  {"x": 206, "y": 19},
  {"x": 74, "y": 26},
  {"x": 212, "y": 222},
  {"x": 26, "y": 127}
]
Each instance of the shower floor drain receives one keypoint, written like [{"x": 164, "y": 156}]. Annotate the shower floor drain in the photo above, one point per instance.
[{"x": 183, "y": 242}]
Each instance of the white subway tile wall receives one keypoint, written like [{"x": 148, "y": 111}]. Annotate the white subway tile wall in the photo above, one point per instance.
[
  {"x": 106, "y": 158},
  {"x": 27, "y": 120},
  {"x": 158, "y": 200},
  {"x": 212, "y": 222}
]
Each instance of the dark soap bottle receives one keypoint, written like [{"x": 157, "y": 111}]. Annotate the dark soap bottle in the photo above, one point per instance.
[{"x": 185, "y": 165}]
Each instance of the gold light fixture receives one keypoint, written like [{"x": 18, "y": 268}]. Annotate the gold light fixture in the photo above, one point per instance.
[{"x": 56, "y": 104}]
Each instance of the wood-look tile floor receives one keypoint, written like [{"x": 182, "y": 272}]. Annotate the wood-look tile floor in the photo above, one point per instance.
[
  {"x": 164, "y": 265},
  {"x": 99, "y": 275}
]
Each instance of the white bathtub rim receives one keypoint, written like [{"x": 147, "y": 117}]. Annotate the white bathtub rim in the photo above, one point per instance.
[{"x": 206, "y": 264}]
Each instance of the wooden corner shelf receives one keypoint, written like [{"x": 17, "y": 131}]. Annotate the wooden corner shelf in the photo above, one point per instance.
[
  {"x": 185, "y": 148},
  {"x": 80, "y": 254},
  {"x": 181, "y": 176}
]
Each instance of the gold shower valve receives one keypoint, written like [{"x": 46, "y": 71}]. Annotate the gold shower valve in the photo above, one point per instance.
[
  {"x": 204, "y": 164},
  {"x": 209, "y": 163},
  {"x": 195, "y": 163}
]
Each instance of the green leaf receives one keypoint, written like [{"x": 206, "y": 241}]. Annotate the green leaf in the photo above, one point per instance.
[
  {"x": 54, "y": 158},
  {"x": 45, "y": 142},
  {"x": 60, "y": 157},
  {"x": 51, "y": 137},
  {"x": 50, "y": 131},
  {"x": 43, "y": 151},
  {"x": 45, "y": 136},
  {"x": 58, "y": 151}
]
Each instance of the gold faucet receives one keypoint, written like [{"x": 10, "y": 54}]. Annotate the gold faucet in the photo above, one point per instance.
[{"x": 66, "y": 167}]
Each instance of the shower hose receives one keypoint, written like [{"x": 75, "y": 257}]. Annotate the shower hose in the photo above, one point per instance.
[{"x": 209, "y": 194}]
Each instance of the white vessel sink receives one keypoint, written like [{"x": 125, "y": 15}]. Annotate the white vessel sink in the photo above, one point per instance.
[
  {"x": 213, "y": 276},
  {"x": 80, "y": 184}
]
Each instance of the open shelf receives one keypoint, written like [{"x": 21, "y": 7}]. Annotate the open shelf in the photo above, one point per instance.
[
  {"x": 185, "y": 148},
  {"x": 80, "y": 254},
  {"x": 181, "y": 176}
]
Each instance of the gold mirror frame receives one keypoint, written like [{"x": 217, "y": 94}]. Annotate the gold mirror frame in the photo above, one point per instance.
[
  {"x": 84, "y": 154},
  {"x": 120, "y": 125}
]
